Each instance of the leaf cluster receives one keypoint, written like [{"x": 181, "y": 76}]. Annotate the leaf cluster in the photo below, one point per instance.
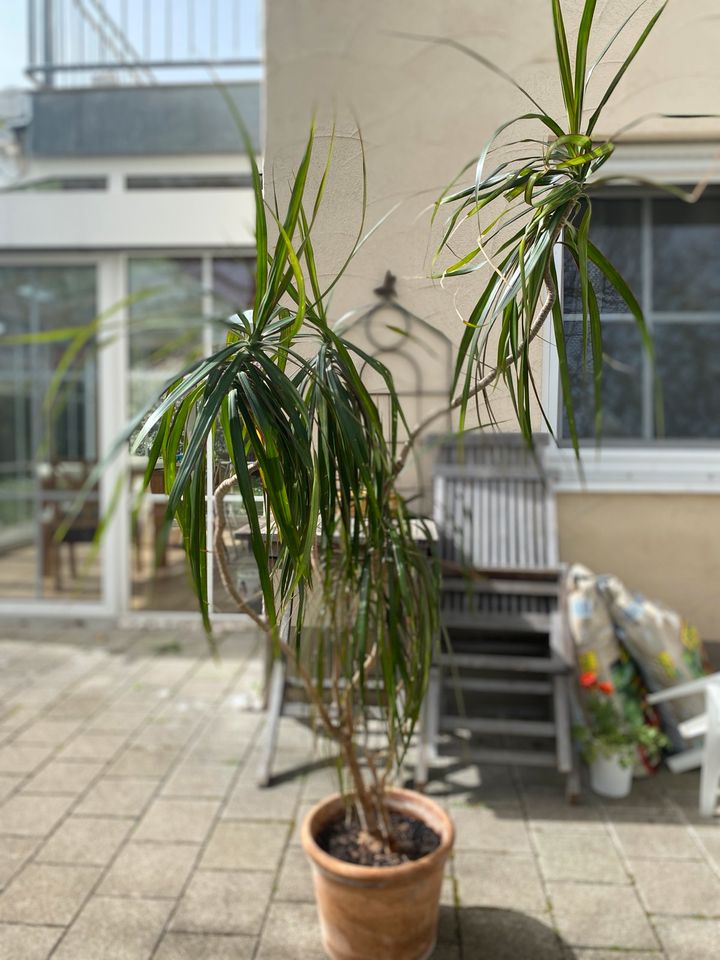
[
  {"x": 608, "y": 733},
  {"x": 545, "y": 192}
]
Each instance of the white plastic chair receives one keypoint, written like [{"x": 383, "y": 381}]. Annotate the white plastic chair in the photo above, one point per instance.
[{"x": 707, "y": 725}]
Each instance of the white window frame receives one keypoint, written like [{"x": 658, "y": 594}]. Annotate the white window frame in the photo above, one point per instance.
[
  {"x": 691, "y": 467},
  {"x": 112, "y": 399}
]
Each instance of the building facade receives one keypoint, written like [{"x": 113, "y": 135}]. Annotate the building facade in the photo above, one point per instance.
[
  {"x": 648, "y": 508},
  {"x": 130, "y": 203},
  {"x": 126, "y": 231}
]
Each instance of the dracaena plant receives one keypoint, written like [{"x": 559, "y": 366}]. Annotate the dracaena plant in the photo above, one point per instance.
[
  {"x": 286, "y": 392},
  {"x": 544, "y": 189},
  {"x": 335, "y": 537}
]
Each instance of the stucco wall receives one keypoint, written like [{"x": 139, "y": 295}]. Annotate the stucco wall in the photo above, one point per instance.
[
  {"x": 665, "y": 546},
  {"x": 424, "y": 111}
]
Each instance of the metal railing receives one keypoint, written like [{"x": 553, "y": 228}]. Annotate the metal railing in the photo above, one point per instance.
[{"x": 111, "y": 42}]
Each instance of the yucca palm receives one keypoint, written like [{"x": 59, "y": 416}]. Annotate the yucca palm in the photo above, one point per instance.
[
  {"x": 545, "y": 190},
  {"x": 287, "y": 393}
]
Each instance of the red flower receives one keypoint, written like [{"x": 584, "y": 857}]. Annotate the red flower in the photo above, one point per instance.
[
  {"x": 606, "y": 687},
  {"x": 588, "y": 679}
]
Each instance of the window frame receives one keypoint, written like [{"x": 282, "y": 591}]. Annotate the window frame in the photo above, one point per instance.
[{"x": 635, "y": 465}]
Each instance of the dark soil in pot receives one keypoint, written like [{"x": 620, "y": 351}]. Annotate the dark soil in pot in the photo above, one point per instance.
[{"x": 411, "y": 840}]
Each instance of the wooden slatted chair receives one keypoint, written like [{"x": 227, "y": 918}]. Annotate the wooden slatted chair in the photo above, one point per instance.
[{"x": 501, "y": 692}]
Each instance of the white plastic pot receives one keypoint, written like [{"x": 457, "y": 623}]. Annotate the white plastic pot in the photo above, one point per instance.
[{"x": 609, "y": 779}]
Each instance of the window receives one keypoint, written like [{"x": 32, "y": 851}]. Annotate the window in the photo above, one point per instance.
[
  {"x": 47, "y": 451},
  {"x": 177, "y": 313},
  {"x": 669, "y": 253}
]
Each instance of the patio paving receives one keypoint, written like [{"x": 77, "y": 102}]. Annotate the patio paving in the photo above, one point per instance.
[{"x": 131, "y": 829}]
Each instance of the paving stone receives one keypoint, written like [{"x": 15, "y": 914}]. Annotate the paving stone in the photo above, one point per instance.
[
  {"x": 14, "y": 851},
  {"x": 168, "y": 733},
  {"x": 150, "y": 870},
  {"x": 21, "y": 942},
  {"x": 16, "y": 715},
  {"x": 89, "y": 840},
  {"x": 75, "y": 708},
  {"x": 553, "y": 813},
  {"x": 478, "y": 827},
  {"x": 295, "y": 881},
  {"x": 198, "y": 946},
  {"x": 302, "y": 812},
  {"x": 120, "y": 798},
  {"x": 615, "y": 955},
  {"x": 507, "y": 935},
  {"x": 224, "y": 902},
  {"x": 677, "y": 887},
  {"x": 319, "y": 783},
  {"x": 143, "y": 761},
  {"x": 172, "y": 820},
  {"x": 48, "y": 732},
  {"x": 494, "y": 880},
  {"x": 645, "y": 792},
  {"x": 117, "y": 720},
  {"x": 113, "y": 929},
  {"x": 46, "y": 894},
  {"x": 243, "y": 845},
  {"x": 217, "y": 753},
  {"x": 688, "y": 938},
  {"x": 542, "y": 780},
  {"x": 646, "y": 815},
  {"x": 34, "y": 816},
  {"x": 92, "y": 746},
  {"x": 8, "y": 782},
  {"x": 591, "y": 859},
  {"x": 292, "y": 932},
  {"x": 657, "y": 841},
  {"x": 709, "y": 837},
  {"x": 205, "y": 780},
  {"x": 595, "y": 915},
  {"x": 63, "y": 776},
  {"x": 22, "y": 757},
  {"x": 276, "y": 802}
]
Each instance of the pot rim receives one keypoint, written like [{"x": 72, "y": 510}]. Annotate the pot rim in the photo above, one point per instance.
[{"x": 357, "y": 872}]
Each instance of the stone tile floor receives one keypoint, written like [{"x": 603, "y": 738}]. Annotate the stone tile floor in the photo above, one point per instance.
[{"x": 130, "y": 826}]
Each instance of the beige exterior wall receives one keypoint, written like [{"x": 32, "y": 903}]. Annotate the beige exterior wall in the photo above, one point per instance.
[
  {"x": 664, "y": 546},
  {"x": 424, "y": 111}
]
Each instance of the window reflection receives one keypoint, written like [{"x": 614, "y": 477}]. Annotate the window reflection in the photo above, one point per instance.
[{"x": 47, "y": 449}]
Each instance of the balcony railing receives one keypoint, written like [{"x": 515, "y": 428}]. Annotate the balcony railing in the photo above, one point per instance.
[{"x": 76, "y": 43}]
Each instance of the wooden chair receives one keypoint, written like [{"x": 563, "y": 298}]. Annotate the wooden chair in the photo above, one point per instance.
[
  {"x": 508, "y": 655},
  {"x": 61, "y": 483}
]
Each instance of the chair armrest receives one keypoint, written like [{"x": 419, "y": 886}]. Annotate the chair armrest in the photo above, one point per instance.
[{"x": 684, "y": 689}]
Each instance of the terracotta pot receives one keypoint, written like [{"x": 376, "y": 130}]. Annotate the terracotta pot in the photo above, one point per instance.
[{"x": 379, "y": 913}]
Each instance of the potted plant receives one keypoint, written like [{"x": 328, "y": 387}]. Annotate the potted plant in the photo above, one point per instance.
[
  {"x": 350, "y": 595},
  {"x": 611, "y": 743}
]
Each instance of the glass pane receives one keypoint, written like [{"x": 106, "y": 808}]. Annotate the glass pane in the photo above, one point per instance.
[
  {"x": 241, "y": 566},
  {"x": 615, "y": 229},
  {"x": 18, "y": 549},
  {"x": 688, "y": 365},
  {"x": 233, "y": 285},
  {"x": 621, "y": 381},
  {"x": 685, "y": 255},
  {"x": 47, "y": 450},
  {"x": 166, "y": 321},
  {"x": 158, "y": 583}
]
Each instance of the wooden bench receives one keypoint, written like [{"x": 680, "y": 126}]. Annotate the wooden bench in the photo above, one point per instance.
[{"x": 500, "y": 690}]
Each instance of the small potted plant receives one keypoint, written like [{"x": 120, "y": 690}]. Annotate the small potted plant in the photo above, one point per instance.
[{"x": 610, "y": 743}]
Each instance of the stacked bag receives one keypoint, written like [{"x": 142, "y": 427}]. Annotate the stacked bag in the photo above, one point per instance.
[{"x": 637, "y": 645}]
